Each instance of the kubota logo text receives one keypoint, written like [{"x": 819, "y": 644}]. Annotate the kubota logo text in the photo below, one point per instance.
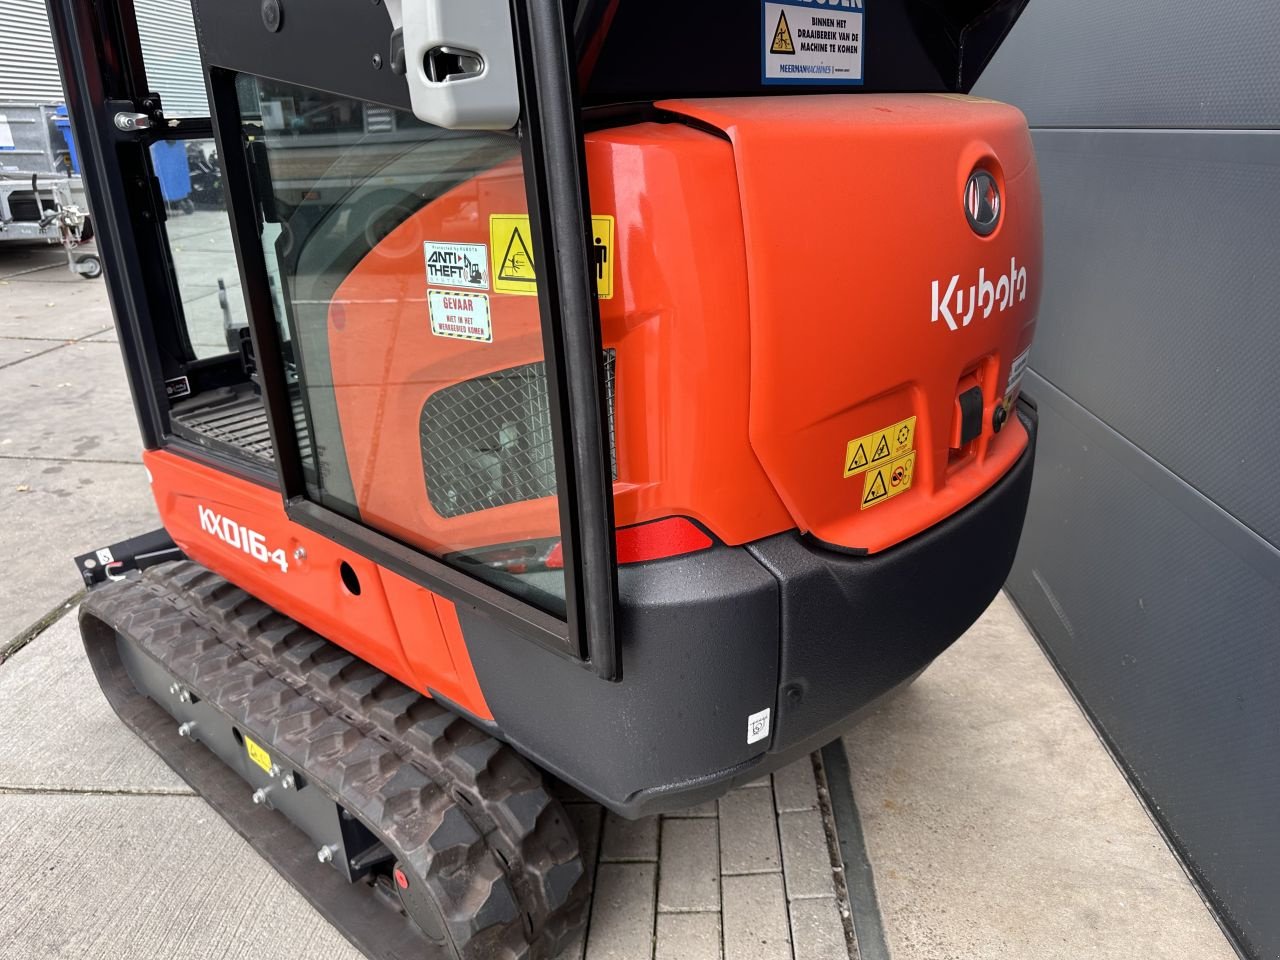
[
  {"x": 956, "y": 310},
  {"x": 241, "y": 538}
]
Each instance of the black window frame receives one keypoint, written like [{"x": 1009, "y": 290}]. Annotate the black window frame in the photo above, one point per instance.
[{"x": 103, "y": 74}]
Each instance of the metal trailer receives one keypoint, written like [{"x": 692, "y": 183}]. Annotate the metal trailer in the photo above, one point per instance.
[
  {"x": 36, "y": 207},
  {"x": 29, "y": 141},
  {"x": 38, "y": 199}
]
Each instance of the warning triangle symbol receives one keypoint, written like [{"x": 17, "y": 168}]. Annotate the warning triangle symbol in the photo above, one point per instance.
[
  {"x": 877, "y": 490},
  {"x": 859, "y": 459},
  {"x": 517, "y": 262},
  {"x": 782, "y": 36},
  {"x": 882, "y": 449}
]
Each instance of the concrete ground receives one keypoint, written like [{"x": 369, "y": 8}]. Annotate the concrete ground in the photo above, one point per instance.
[{"x": 987, "y": 820}]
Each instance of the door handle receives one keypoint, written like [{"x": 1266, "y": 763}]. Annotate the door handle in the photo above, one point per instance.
[{"x": 458, "y": 61}]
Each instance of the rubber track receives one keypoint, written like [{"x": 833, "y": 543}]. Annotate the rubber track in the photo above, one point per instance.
[{"x": 461, "y": 810}]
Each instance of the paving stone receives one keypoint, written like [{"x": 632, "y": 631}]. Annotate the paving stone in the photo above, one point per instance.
[
  {"x": 688, "y": 936},
  {"x": 72, "y": 403},
  {"x": 109, "y": 335},
  {"x": 999, "y": 827},
  {"x": 794, "y": 787},
  {"x": 108, "y": 877},
  {"x": 755, "y": 918},
  {"x": 622, "y": 914},
  {"x": 586, "y": 818},
  {"x": 577, "y": 947},
  {"x": 707, "y": 809},
  {"x": 32, "y": 306},
  {"x": 816, "y": 930},
  {"x": 59, "y": 731},
  {"x": 629, "y": 839},
  {"x": 806, "y": 859},
  {"x": 30, "y": 260},
  {"x": 14, "y": 351},
  {"x": 748, "y": 833},
  {"x": 54, "y": 510},
  {"x": 689, "y": 878}
]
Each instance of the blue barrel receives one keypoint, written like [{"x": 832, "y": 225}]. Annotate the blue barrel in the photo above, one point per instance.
[
  {"x": 169, "y": 161},
  {"x": 63, "y": 123}
]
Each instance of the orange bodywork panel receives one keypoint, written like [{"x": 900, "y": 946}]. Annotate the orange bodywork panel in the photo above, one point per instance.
[
  {"x": 677, "y": 321},
  {"x": 871, "y": 298},
  {"x": 808, "y": 279},
  {"x": 240, "y": 530},
  {"x": 790, "y": 274}
]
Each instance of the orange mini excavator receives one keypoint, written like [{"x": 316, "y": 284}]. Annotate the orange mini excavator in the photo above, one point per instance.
[{"x": 627, "y": 395}]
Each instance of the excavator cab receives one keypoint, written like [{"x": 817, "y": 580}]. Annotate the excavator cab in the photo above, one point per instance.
[{"x": 619, "y": 394}]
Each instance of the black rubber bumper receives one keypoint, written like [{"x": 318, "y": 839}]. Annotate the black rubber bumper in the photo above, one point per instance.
[
  {"x": 854, "y": 628},
  {"x": 813, "y": 635}
]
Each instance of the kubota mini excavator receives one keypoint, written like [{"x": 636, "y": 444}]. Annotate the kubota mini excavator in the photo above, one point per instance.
[{"x": 630, "y": 392}]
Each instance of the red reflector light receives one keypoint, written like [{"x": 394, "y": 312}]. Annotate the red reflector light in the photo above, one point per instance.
[
  {"x": 671, "y": 537},
  {"x": 401, "y": 880},
  {"x": 662, "y": 538}
]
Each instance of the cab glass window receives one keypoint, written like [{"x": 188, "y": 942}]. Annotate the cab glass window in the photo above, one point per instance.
[{"x": 419, "y": 386}]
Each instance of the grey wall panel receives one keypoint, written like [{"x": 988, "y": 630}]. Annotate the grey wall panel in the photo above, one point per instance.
[
  {"x": 1117, "y": 63},
  {"x": 1162, "y": 299},
  {"x": 1149, "y": 565},
  {"x": 1163, "y": 617}
]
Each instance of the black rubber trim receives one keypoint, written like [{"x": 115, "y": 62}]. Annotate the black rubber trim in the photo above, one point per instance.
[
  {"x": 555, "y": 172},
  {"x": 699, "y": 633},
  {"x": 854, "y": 628},
  {"x": 712, "y": 637}
]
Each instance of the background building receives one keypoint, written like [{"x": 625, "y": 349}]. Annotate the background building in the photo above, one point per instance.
[
  {"x": 29, "y": 67},
  {"x": 1149, "y": 566}
]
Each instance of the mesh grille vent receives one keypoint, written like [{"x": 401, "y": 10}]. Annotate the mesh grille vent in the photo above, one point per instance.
[{"x": 486, "y": 442}]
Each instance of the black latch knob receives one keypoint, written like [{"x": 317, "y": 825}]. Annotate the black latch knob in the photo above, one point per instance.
[
  {"x": 999, "y": 417},
  {"x": 970, "y": 414}
]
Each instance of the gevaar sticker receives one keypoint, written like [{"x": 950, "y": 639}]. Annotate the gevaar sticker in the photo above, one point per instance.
[{"x": 463, "y": 316}]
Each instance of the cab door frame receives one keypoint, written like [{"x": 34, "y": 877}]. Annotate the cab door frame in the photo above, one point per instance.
[{"x": 104, "y": 75}]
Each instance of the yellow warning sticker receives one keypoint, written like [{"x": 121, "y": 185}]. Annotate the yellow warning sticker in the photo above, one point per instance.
[
  {"x": 880, "y": 447},
  {"x": 258, "y": 755},
  {"x": 782, "y": 42},
  {"x": 888, "y": 480},
  {"x": 514, "y": 268}
]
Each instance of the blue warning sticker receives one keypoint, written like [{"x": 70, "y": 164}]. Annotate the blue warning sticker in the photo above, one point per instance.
[{"x": 811, "y": 41}]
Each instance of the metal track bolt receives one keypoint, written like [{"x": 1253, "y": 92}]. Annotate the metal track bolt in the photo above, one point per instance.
[
  {"x": 260, "y": 795},
  {"x": 184, "y": 696},
  {"x": 325, "y": 853},
  {"x": 175, "y": 689},
  {"x": 288, "y": 781},
  {"x": 274, "y": 771},
  {"x": 187, "y": 729}
]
